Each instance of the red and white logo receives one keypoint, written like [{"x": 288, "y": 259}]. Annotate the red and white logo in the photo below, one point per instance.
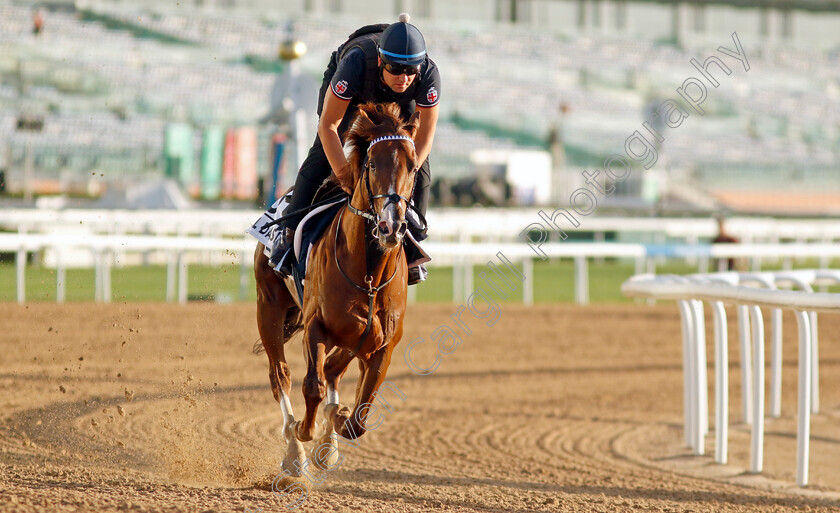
[
  {"x": 432, "y": 95},
  {"x": 341, "y": 87}
]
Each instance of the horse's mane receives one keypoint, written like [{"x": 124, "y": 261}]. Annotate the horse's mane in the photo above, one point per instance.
[{"x": 374, "y": 120}]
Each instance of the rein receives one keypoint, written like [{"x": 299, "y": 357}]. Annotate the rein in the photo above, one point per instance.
[
  {"x": 370, "y": 290},
  {"x": 369, "y": 215}
]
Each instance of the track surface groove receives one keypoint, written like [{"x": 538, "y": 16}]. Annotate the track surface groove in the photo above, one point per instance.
[{"x": 150, "y": 407}]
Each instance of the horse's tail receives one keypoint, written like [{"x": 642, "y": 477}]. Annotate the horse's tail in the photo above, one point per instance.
[{"x": 292, "y": 324}]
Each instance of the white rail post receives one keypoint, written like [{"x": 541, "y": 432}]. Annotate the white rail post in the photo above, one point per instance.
[
  {"x": 170, "y": 276},
  {"x": 640, "y": 265},
  {"x": 469, "y": 286},
  {"x": 757, "y": 447},
  {"x": 650, "y": 268},
  {"x": 746, "y": 363},
  {"x": 581, "y": 280},
  {"x": 183, "y": 267},
  {"x": 20, "y": 275},
  {"x": 787, "y": 264},
  {"x": 106, "y": 276},
  {"x": 776, "y": 364},
  {"x": 688, "y": 405},
  {"x": 528, "y": 286},
  {"x": 803, "y": 430},
  {"x": 703, "y": 266},
  {"x": 97, "y": 276},
  {"x": 805, "y": 285},
  {"x": 701, "y": 389},
  {"x": 60, "y": 277},
  {"x": 815, "y": 364},
  {"x": 721, "y": 383},
  {"x": 639, "y": 269}
]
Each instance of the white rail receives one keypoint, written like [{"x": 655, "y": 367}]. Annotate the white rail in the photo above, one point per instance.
[
  {"x": 720, "y": 288},
  {"x": 462, "y": 256},
  {"x": 448, "y": 223}
]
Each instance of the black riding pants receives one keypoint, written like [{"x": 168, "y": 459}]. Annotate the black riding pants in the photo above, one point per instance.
[{"x": 316, "y": 168}]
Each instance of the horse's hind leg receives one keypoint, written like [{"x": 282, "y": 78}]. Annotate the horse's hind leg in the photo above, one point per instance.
[{"x": 273, "y": 307}]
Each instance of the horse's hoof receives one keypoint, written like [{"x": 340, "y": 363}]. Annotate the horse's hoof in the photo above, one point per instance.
[
  {"x": 281, "y": 482},
  {"x": 324, "y": 455},
  {"x": 295, "y": 458},
  {"x": 329, "y": 412}
]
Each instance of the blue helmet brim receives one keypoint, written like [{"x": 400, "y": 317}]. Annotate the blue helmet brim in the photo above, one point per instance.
[{"x": 398, "y": 58}]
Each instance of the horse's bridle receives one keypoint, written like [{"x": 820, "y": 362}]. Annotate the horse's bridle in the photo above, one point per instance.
[{"x": 371, "y": 215}]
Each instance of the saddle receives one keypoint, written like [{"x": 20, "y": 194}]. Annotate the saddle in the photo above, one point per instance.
[{"x": 316, "y": 222}]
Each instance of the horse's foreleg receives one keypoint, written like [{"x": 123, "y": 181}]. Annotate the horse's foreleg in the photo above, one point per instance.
[
  {"x": 325, "y": 453},
  {"x": 373, "y": 374},
  {"x": 314, "y": 384},
  {"x": 334, "y": 369},
  {"x": 273, "y": 302}
]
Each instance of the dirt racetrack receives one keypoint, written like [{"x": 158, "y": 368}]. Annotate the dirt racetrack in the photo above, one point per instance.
[{"x": 153, "y": 407}]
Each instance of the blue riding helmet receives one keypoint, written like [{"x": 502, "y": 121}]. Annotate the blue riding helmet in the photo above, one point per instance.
[{"x": 402, "y": 44}]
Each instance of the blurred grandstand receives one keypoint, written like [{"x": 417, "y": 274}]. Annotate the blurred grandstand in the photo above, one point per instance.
[{"x": 113, "y": 94}]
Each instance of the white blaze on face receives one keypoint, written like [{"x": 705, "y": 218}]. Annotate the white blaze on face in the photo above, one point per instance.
[
  {"x": 389, "y": 216},
  {"x": 390, "y": 212}
]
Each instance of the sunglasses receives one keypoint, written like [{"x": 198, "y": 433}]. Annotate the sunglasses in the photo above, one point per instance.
[{"x": 401, "y": 69}]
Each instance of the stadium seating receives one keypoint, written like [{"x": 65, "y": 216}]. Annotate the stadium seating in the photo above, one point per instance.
[{"x": 109, "y": 102}]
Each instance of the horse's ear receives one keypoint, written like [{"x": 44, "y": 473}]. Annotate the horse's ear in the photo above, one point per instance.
[
  {"x": 363, "y": 123},
  {"x": 413, "y": 124}
]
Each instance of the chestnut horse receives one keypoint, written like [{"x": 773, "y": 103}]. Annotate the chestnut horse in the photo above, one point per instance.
[{"x": 355, "y": 295}]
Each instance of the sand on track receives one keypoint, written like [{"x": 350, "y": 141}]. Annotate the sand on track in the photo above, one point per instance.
[{"x": 154, "y": 407}]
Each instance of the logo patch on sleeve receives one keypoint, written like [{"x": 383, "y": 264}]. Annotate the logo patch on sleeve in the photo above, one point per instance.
[
  {"x": 341, "y": 87},
  {"x": 432, "y": 95}
]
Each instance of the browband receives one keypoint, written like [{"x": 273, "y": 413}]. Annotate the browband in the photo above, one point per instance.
[{"x": 391, "y": 138}]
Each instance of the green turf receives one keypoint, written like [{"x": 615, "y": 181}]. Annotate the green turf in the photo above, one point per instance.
[
  {"x": 553, "y": 282},
  {"x": 146, "y": 283}
]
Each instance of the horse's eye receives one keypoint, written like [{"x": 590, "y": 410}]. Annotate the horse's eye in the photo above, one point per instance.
[{"x": 372, "y": 166}]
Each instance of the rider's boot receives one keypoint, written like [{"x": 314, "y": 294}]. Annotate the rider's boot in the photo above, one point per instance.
[
  {"x": 417, "y": 274},
  {"x": 282, "y": 257}
]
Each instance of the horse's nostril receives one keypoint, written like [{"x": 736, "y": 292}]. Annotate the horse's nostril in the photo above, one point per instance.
[
  {"x": 402, "y": 229},
  {"x": 383, "y": 228}
]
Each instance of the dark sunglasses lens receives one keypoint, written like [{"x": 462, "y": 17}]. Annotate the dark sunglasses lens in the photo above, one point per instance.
[{"x": 399, "y": 69}]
